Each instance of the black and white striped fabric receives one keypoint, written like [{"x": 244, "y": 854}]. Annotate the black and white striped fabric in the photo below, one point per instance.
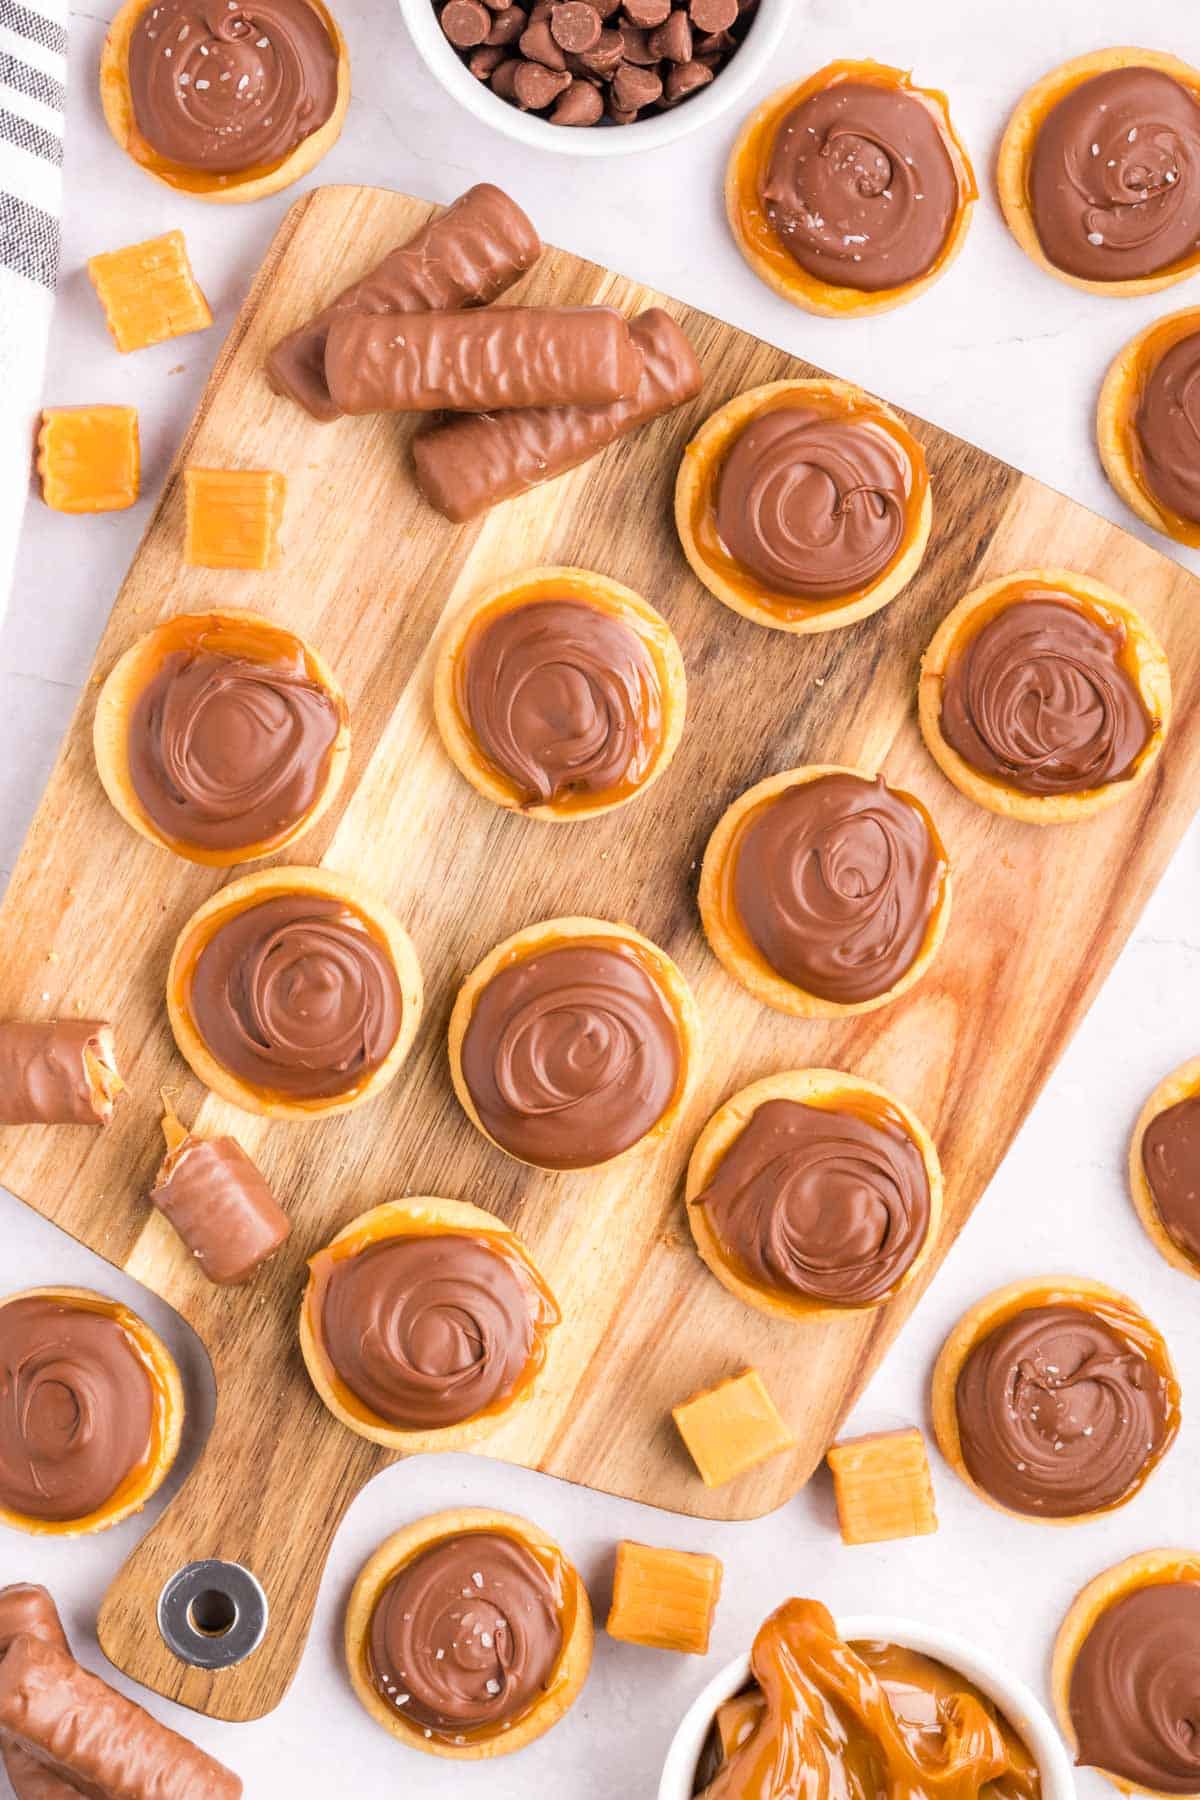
[{"x": 33, "y": 75}]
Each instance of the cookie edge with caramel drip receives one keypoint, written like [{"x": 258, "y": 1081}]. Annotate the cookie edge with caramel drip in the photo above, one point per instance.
[
  {"x": 123, "y": 687},
  {"x": 988, "y": 1315},
  {"x": 699, "y": 474},
  {"x": 1182, "y": 1083},
  {"x": 402, "y": 1548},
  {"x": 169, "y": 1409},
  {"x": 1151, "y": 675},
  {"x": 1116, "y": 421},
  {"x": 1020, "y": 138},
  {"x": 529, "y": 588},
  {"x": 117, "y": 104},
  {"x": 1147, "y": 1568},
  {"x": 427, "y": 1215},
  {"x": 251, "y": 890},
  {"x": 716, "y": 1140},
  {"x": 750, "y": 969},
  {"x": 755, "y": 141}
]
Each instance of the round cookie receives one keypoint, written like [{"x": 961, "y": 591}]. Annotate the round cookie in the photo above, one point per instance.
[
  {"x": 840, "y": 202},
  {"x": 562, "y": 1683},
  {"x": 190, "y": 689},
  {"x": 594, "y": 676},
  {"x": 369, "y": 956},
  {"x": 1098, "y": 1445},
  {"x": 852, "y": 439},
  {"x": 1119, "y": 424},
  {"x": 1104, "y": 611},
  {"x": 117, "y": 1349},
  {"x": 1016, "y": 166},
  {"x": 257, "y": 79},
  {"x": 648, "y": 1002},
  {"x": 836, "y": 1254},
  {"x": 1180, "y": 1089},
  {"x": 1153, "y": 1709},
  {"x": 430, "y": 1340},
  {"x": 915, "y": 852}
]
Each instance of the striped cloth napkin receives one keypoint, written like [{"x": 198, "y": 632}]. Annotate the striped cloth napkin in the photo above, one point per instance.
[{"x": 33, "y": 73}]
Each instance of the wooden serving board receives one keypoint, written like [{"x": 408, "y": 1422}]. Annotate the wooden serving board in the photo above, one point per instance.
[{"x": 369, "y": 573}]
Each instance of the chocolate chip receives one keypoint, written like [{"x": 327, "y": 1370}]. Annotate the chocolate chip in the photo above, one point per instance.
[
  {"x": 465, "y": 22},
  {"x": 507, "y": 25},
  {"x": 647, "y": 13},
  {"x": 503, "y": 78},
  {"x": 606, "y": 8},
  {"x": 574, "y": 25},
  {"x": 633, "y": 88},
  {"x": 619, "y": 115},
  {"x": 537, "y": 87},
  {"x": 538, "y": 45},
  {"x": 581, "y": 104},
  {"x": 673, "y": 40},
  {"x": 637, "y": 46},
  {"x": 686, "y": 78},
  {"x": 605, "y": 59},
  {"x": 713, "y": 15},
  {"x": 485, "y": 59}
]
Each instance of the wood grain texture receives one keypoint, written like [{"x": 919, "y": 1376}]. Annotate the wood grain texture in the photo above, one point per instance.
[{"x": 369, "y": 574}]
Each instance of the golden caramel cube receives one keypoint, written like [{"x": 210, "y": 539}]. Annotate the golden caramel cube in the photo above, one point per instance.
[
  {"x": 883, "y": 1487},
  {"x": 233, "y": 517},
  {"x": 148, "y": 292},
  {"x": 664, "y": 1598},
  {"x": 731, "y": 1428},
  {"x": 89, "y": 458}
]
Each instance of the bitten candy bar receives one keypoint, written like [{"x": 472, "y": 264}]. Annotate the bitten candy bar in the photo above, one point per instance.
[
  {"x": 505, "y": 357},
  {"x": 468, "y": 256},
  {"x": 471, "y": 463},
  {"x": 83, "y": 1731},
  {"x": 218, "y": 1203},
  {"x": 57, "y": 1072},
  {"x": 26, "y": 1609}
]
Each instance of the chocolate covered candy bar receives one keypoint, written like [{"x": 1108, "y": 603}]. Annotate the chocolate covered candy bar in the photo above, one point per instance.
[
  {"x": 219, "y": 1204},
  {"x": 28, "y": 1609},
  {"x": 57, "y": 1072}
]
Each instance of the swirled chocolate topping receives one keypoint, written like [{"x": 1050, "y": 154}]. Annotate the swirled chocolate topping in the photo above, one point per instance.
[
  {"x": 811, "y": 505},
  {"x": 821, "y": 1202},
  {"x": 1061, "y": 1414},
  {"x": 1135, "y": 1689},
  {"x": 428, "y": 1331},
  {"x": 225, "y": 752},
  {"x": 295, "y": 995},
  {"x": 76, "y": 1408},
  {"x": 836, "y": 882},
  {"x": 466, "y": 1637},
  {"x": 860, "y": 189},
  {"x": 1114, "y": 177},
  {"x": 222, "y": 87},
  {"x": 1167, "y": 430},
  {"x": 1171, "y": 1161},
  {"x": 1040, "y": 698},
  {"x": 572, "y": 1054},
  {"x": 563, "y": 698}
]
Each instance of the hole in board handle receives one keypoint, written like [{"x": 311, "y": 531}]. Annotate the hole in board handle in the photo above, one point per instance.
[{"x": 212, "y": 1614}]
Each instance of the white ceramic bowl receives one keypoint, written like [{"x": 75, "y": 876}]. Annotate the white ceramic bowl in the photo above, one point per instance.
[
  {"x": 1014, "y": 1699},
  {"x": 752, "y": 58}
]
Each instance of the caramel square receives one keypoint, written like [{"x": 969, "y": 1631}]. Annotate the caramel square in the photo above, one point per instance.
[
  {"x": 883, "y": 1487},
  {"x": 88, "y": 458},
  {"x": 731, "y": 1428},
  {"x": 664, "y": 1598},
  {"x": 148, "y": 292},
  {"x": 233, "y": 518}
]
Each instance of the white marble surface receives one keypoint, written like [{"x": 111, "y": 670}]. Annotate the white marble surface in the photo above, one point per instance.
[{"x": 997, "y": 352}]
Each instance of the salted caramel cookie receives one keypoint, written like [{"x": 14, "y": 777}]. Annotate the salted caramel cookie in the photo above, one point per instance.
[
  {"x": 573, "y": 1043},
  {"x": 1126, "y": 1673},
  {"x": 294, "y": 992},
  {"x": 1099, "y": 171},
  {"x": 1044, "y": 696},
  {"x": 850, "y": 192},
  {"x": 468, "y": 1634},
  {"x": 814, "y": 1192},
  {"x": 1148, "y": 425},
  {"x": 1164, "y": 1167},
  {"x": 91, "y": 1410},
  {"x": 425, "y": 1323},
  {"x": 825, "y": 892},
  {"x": 804, "y": 505},
  {"x": 221, "y": 736},
  {"x": 1055, "y": 1399},
  {"x": 229, "y": 102},
  {"x": 560, "y": 693}
]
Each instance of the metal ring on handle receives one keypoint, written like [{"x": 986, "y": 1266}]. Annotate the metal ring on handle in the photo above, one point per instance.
[{"x": 212, "y": 1614}]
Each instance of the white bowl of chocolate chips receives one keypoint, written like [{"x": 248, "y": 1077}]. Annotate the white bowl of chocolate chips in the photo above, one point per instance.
[{"x": 596, "y": 77}]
